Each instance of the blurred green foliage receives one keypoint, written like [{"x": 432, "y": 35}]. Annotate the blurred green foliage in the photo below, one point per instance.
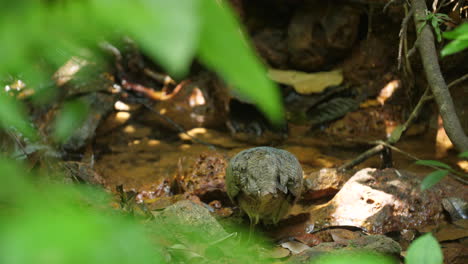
[
  {"x": 459, "y": 37},
  {"x": 47, "y": 222},
  {"x": 71, "y": 116},
  {"x": 54, "y": 223},
  {"x": 39, "y": 36},
  {"x": 425, "y": 250},
  {"x": 13, "y": 115},
  {"x": 435, "y": 20}
]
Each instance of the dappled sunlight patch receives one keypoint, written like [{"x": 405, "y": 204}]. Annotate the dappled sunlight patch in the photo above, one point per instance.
[
  {"x": 463, "y": 164},
  {"x": 129, "y": 129},
  {"x": 122, "y": 117},
  {"x": 387, "y": 92},
  {"x": 443, "y": 143},
  {"x": 121, "y": 106}
]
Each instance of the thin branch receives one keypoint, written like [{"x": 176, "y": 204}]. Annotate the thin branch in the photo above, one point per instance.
[
  {"x": 435, "y": 79},
  {"x": 457, "y": 176},
  {"x": 402, "y": 35},
  {"x": 361, "y": 158}
]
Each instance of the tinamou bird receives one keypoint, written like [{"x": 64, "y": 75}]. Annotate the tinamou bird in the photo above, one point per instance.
[{"x": 264, "y": 182}]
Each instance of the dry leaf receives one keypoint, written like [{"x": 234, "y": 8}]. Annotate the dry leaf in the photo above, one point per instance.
[
  {"x": 295, "y": 247},
  {"x": 307, "y": 83}
]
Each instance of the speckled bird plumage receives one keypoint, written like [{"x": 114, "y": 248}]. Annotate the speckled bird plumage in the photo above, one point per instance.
[{"x": 264, "y": 182}]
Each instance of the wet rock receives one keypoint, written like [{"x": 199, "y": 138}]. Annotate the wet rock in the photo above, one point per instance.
[
  {"x": 365, "y": 125},
  {"x": 371, "y": 58},
  {"x": 187, "y": 219},
  {"x": 206, "y": 177},
  {"x": 78, "y": 76},
  {"x": 377, "y": 243},
  {"x": 320, "y": 33},
  {"x": 374, "y": 243},
  {"x": 323, "y": 183},
  {"x": 271, "y": 46},
  {"x": 456, "y": 207},
  {"x": 381, "y": 201},
  {"x": 247, "y": 124},
  {"x": 153, "y": 201}
]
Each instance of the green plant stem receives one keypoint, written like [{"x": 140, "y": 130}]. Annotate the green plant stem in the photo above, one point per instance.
[{"x": 455, "y": 174}]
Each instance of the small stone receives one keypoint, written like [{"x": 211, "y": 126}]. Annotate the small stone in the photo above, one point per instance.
[{"x": 189, "y": 220}]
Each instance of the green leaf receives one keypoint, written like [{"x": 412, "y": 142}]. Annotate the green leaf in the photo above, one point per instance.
[
  {"x": 459, "y": 32},
  {"x": 167, "y": 30},
  {"x": 454, "y": 47},
  {"x": 437, "y": 31},
  {"x": 425, "y": 250},
  {"x": 13, "y": 115},
  {"x": 71, "y": 116},
  {"x": 14, "y": 180},
  {"x": 223, "y": 48},
  {"x": 421, "y": 27},
  {"x": 434, "y": 163},
  {"x": 463, "y": 155},
  {"x": 443, "y": 16},
  {"x": 433, "y": 178}
]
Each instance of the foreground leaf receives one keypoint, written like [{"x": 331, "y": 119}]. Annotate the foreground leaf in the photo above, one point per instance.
[
  {"x": 454, "y": 47},
  {"x": 70, "y": 118},
  {"x": 224, "y": 49},
  {"x": 434, "y": 163},
  {"x": 460, "y": 32},
  {"x": 460, "y": 40},
  {"x": 463, "y": 155},
  {"x": 433, "y": 178},
  {"x": 13, "y": 115},
  {"x": 425, "y": 250}
]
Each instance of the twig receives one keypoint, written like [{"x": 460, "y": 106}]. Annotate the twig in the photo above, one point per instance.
[
  {"x": 361, "y": 158},
  {"x": 388, "y": 4},
  {"x": 454, "y": 173},
  {"x": 18, "y": 142},
  {"x": 417, "y": 109},
  {"x": 393, "y": 140},
  {"x": 457, "y": 81},
  {"x": 402, "y": 35},
  {"x": 162, "y": 78},
  {"x": 150, "y": 93}
]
